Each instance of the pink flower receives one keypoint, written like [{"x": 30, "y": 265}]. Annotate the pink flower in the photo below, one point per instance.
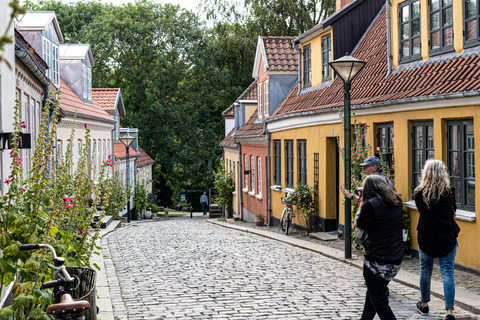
[
  {"x": 85, "y": 125},
  {"x": 66, "y": 199},
  {"x": 79, "y": 231},
  {"x": 11, "y": 154},
  {"x": 24, "y": 190},
  {"x": 23, "y": 124},
  {"x": 7, "y": 181},
  {"x": 19, "y": 161},
  {"x": 70, "y": 206},
  {"x": 109, "y": 157},
  {"x": 378, "y": 148}
]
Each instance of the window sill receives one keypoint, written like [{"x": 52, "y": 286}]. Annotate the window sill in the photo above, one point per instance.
[
  {"x": 289, "y": 190},
  {"x": 276, "y": 188},
  {"x": 461, "y": 214},
  {"x": 245, "y": 190},
  {"x": 252, "y": 193},
  {"x": 259, "y": 196}
]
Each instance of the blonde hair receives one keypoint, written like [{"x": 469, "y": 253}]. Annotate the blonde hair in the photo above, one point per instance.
[{"x": 435, "y": 181}]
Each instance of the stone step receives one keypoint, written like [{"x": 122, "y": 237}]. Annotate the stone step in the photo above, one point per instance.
[{"x": 106, "y": 221}]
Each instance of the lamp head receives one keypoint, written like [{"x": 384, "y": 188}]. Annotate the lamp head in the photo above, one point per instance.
[
  {"x": 347, "y": 67},
  {"x": 127, "y": 139}
]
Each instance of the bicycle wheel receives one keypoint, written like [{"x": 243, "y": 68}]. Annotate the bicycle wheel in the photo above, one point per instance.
[
  {"x": 288, "y": 220},
  {"x": 282, "y": 220}
]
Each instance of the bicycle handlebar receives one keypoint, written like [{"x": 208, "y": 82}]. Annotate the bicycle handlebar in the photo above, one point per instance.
[{"x": 25, "y": 247}]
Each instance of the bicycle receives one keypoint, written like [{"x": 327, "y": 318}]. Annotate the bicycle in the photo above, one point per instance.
[
  {"x": 287, "y": 214},
  {"x": 64, "y": 308}
]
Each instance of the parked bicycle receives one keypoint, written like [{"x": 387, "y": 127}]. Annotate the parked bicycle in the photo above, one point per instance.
[
  {"x": 64, "y": 308},
  {"x": 287, "y": 214}
]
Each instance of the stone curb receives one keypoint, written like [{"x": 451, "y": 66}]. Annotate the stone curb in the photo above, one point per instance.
[{"x": 467, "y": 300}]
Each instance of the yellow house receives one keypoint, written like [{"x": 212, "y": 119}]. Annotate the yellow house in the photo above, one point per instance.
[{"x": 421, "y": 103}]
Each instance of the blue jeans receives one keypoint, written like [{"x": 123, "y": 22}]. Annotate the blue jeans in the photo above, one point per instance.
[
  {"x": 376, "y": 301},
  {"x": 447, "y": 269},
  {"x": 204, "y": 208}
]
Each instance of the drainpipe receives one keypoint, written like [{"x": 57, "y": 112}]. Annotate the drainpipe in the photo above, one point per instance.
[
  {"x": 240, "y": 179},
  {"x": 269, "y": 191},
  {"x": 389, "y": 40},
  {"x": 299, "y": 80}
]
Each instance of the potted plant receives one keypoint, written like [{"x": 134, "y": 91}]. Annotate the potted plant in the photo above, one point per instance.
[{"x": 260, "y": 220}]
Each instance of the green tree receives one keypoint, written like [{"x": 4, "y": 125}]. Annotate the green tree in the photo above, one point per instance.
[{"x": 225, "y": 187}]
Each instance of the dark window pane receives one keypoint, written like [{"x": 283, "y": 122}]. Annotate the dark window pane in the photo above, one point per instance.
[
  {"x": 416, "y": 9},
  {"x": 435, "y": 5},
  {"x": 405, "y": 14},
  {"x": 435, "y": 21},
  {"x": 415, "y": 28},
  {"x": 471, "y": 9},
  {"x": 471, "y": 30},
  {"x": 448, "y": 17}
]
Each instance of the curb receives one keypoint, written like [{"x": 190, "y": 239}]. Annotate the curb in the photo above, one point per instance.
[{"x": 467, "y": 300}]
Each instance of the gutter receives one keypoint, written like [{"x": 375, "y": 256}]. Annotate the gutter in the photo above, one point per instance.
[
  {"x": 88, "y": 116},
  {"x": 269, "y": 192},
  {"x": 32, "y": 65},
  {"x": 240, "y": 180},
  {"x": 389, "y": 40},
  {"x": 299, "y": 78}
]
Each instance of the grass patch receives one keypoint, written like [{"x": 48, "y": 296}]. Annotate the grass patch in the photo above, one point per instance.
[
  {"x": 171, "y": 215},
  {"x": 221, "y": 219}
]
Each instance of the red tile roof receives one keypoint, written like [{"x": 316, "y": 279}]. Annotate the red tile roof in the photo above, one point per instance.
[
  {"x": 71, "y": 103},
  {"x": 453, "y": 75},
  {"x": 120, "y": 151},
  {"x": 251, "y": 128},
  {"x": 228, "y": 140},
  {"x": 281, "y": 56},
  {"x": 143, "y": 158},
  {"x": 106, "y": 98},
  {"x": 249, "y": 94}
]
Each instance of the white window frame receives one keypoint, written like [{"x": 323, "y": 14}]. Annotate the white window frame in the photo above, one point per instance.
[
  {"x": 260, "y": 101},
  {"x": 252, "y": 173},
  {"x": 259, "y": 173},
  {"x": 267, "y": 98},
  {"x": 51, "y": 56}
]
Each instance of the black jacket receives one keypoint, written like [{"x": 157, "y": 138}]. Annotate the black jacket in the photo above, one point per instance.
[
  {"x": 384, "y": 227},
  {"x": 436, "y": 234}
]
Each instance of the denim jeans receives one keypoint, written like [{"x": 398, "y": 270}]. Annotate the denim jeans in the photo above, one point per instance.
[
  {"x": 376, "y": 301},
  {"x": 204, "y": 207},
  {"x": 447, "y": 269}
]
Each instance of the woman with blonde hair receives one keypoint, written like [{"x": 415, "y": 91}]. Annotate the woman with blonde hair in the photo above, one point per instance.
[{"x": 437, "y": 234}]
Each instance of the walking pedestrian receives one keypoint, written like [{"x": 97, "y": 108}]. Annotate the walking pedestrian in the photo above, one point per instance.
[
  {"x": 204, "y": 202},
  {"x": 437, "y": 232},
  {"x": 381, "y": 217}
]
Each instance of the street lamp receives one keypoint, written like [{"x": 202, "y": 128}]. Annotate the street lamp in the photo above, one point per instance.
[
  {"x": 347, "y": 68},
  {"x": 127, "y": 141}
]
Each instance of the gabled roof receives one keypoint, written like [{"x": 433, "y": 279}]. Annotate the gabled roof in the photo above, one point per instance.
[
  {"x": 71, "y": 104},
  {"x": 277, "y": 54},
  {"x": 252, "y": 128},
  {"x": 250, "y": 94},
  {"x": 143, "y": 159},
  {"x": 38, "y": 21},
  {"x": 120, "y": 151},
  {"x": 455, "y": 75},
  {"x": 228, "y": 141},
  {"x": 109, "y": 99},
  {"x": 76, "y": 52}
]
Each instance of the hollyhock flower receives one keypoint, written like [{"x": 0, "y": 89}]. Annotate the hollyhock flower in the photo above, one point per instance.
[
  {"x": 23, "y": 124},
  {"x": 85, "y": 125},
  {"x": 66, "y": 199},
  {"x": 70, "y": 206},
  {"x": 24, "y": 190},
  {"x": 11, "y": 154},
  {"x": 7, "y": 181},
  {"x": 19, "y": 161},
  {"x": 80, "y": 232}
]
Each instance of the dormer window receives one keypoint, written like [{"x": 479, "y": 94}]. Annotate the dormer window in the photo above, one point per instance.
[
  {"x": 410, "y": 30},
  {"x": 307, "y": 66},
  {"x": 260, "y": 101},
  {"x": 326, "y": 57},
  {"x": 51, "y": 57},
  {"x": 441, "y": 26},
  {"x": 87, "y": 82},
  {"x": 472, "y": 21},
  {"x": 267, "y": 98}
]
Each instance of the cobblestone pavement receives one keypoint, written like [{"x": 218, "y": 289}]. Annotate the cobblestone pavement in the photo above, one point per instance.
[{"x": 186, "y": 268}]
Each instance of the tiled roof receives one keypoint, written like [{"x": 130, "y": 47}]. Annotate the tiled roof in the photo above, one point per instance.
[
  {"x": 71, "y": 103},
  {"x": 249, "y": 94},
  {"x": 107, "y": 99},
  {"x": 143, "y": 158},
  {"x": 228, "y": 140},
  {"x": 120, "y": 151},
  {"x": 280, "y": 54},
  {"x": 450, "y": 76},
  {"x": 251, "y": 128}
]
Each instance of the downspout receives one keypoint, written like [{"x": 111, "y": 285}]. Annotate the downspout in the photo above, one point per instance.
[
  {"x": 240, "y": 179},
  {"x": 299, "y": 78},
  {"x": 389, "y": 40},
  {"x": 269, "y": 191}
]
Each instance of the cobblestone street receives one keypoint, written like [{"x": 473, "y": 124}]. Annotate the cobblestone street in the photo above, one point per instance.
[{"x": 186, "y": 268}]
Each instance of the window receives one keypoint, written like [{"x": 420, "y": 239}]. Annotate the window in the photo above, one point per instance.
[
  {"x": 472, "y": 21},
  {"x": 277, "y": 149},
  {"x": 59, "y": 149},
  {"x": 385, "y": 143},
  {"x": 316, "y": 174},
  {"x": 289, "y": 162},
  {"x": 267, "y": 98},
  {"x": 302, "y": 161},
  {"x": 260, "y": 100},
  {"x": 234, "y": 180},
  {"x": 422, "y": 148},
  {"x": 79, "y": 148},
  {"x": 307, "y": 67},
  {"x": 108, "y": 147},
  {"x": 326, "y": 57},
  {"x": 441, "y": 25},
  {"x": 252, "y": 172},
  {"x": 246, "y": 170},
  {"x": 259, "y": 175},
  {"x": 410, "y": 29},
  {"x": 85, "y": 81},
  {"x": 50, "y": 55},
  {"x": 99, "y": 155},
  {"x": 461, "y": 162},
  {"x": 104, "y": 152}
]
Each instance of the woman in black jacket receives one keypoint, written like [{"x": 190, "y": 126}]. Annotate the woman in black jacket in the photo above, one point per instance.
[
  {"x": 437, "y": 236},
  {"x": 381, "y": 217}
]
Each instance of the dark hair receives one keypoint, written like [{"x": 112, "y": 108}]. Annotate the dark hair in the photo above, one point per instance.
[{"x": 376, "y": 185}]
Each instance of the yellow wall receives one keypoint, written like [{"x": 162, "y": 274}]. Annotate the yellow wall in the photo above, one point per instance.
[
  {"x": 232, "y": 155},
  {"x": 424, "y": 23},
  {"x": 316, "y": 57},
  {"x": 317, "y": 137}
]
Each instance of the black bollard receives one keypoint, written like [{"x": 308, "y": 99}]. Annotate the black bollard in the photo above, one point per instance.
[{"x": 191, "y": 212}]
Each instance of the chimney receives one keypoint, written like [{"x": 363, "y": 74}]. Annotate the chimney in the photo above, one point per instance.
[{"x": 341, "y": 3}]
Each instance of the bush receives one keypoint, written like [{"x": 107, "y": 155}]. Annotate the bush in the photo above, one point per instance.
[{"x": 155, "y": 208}]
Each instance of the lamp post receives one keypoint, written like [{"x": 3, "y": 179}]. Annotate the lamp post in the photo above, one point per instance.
[
  {"x": 347, "y": 68},
  {"x": 127, "y": 141}
]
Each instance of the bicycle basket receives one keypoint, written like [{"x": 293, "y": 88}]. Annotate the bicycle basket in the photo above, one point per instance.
[{"x": 85, "y": 289}]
